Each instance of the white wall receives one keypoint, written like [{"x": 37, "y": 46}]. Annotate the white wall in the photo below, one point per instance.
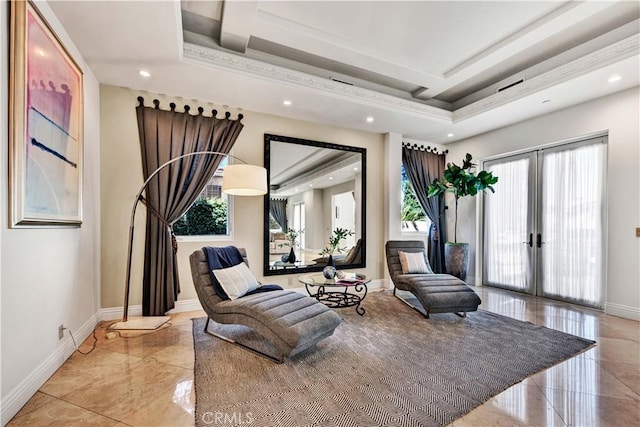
[
  {"x": 618, "y": 115},
  {"x": 49, "y": 276},
  {"x": 122, "y": 176}
]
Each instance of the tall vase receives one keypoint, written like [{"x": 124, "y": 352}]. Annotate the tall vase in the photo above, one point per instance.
[
  {"x": 456, "y": 259},
  {"x": 292, "y": 256},
  {"x": 329, "y": 271}
]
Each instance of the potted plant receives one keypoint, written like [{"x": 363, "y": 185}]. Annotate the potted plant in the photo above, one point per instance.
[
  {"x": 291, "y": 236},
  {"x": 461, "y": 181},
  {"x": 333, "y": 245}
]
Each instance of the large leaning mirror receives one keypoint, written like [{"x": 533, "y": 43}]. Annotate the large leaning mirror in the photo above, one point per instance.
[{"x": 315, "y": 188}]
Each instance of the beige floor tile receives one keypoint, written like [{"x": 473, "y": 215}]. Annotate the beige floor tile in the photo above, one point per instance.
[
  {"x": 177, "y": 355},
  {"x": 85, "y": 370},
  {"x": 174, "y": 409},
  {"x": 584, "y": 376},
  {"x": 618, "y": 330},
  {"x": 582, "y": 326},
  {"x": 583, "y": 409},
  {"x": 520, "y": 405},
  {"x": 615, "y": 349},
  {"x": 626, "y": 373},
  {"x": 58, "y": 413},
  {"x": 145, "y": 345},
  {"x": 120, "y": 395},
  {"x": 38, "y": 400}
]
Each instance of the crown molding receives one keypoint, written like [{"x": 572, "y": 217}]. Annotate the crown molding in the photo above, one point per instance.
[
  {"x": 613, "y": 53},
  {"x": 227, "y": 61}
]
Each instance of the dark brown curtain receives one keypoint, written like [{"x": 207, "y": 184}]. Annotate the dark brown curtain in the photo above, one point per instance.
[
  {"x": 422, "y": 168},
  {"x": 165, "y": 135},
  {"x": 278, "y": 209}
]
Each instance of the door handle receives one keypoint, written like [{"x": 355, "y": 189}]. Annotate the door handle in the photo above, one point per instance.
[
  {"x": 539, "y": 241},
  {"x": 530, "y": 242}
]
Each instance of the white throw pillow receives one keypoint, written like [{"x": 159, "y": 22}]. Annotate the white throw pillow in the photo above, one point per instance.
[
  {"x": 237, "y": 280},
  {"x": 414, "y": 262}
]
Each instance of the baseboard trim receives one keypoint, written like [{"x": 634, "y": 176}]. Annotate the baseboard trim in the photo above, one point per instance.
[
  {"x": 620, "y": 310},
  {"x": 114, "y": 313},
  {"x": 20, "y": 395}
]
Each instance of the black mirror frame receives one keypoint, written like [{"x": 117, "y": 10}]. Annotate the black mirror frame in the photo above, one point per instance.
[{"x": 363, "y": 226}]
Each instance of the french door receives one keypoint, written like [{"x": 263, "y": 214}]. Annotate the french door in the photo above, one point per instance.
[{"x": 543, "y": 228}]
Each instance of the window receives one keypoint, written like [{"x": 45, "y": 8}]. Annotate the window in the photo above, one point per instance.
[
  {"x": 273, "y": 225},
  {"x": 412, "y": 216},
  {"x": 299, "y": 221},
  {"x": 209, "y": 214}
]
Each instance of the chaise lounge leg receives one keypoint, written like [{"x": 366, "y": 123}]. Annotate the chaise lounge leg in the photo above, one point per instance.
[
  {"x": 463, "y": 314},
  {"x": 239, "y": 344},
  {"x": 418, "y": 309}
]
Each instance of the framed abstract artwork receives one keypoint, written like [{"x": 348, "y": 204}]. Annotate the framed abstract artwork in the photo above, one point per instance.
[{"x": 45, "y": 124}]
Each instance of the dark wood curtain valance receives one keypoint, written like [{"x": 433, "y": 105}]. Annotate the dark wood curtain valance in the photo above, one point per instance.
[{"x": 421, "y": 147}]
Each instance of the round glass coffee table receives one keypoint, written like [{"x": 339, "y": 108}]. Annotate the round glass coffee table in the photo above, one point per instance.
[{"x": 347, "y": 291}]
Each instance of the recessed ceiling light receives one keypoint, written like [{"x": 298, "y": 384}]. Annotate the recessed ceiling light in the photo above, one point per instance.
[
  {"x": 310, "y": 185},
  {"x": 369, "y": 119},
  {"x": 40, "y": 52},
  {"x": 449, "y": 135},
  {"x": 286, "y": 102},
  {"x": 614, "y": 78},
  {"x": 144, "y": 73},
  {"x": 355, "y": 169},
  {"x": 330, "y": 178}
]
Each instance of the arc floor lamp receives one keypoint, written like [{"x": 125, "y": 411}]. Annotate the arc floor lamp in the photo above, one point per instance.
[{"x": 240, "y": 179}]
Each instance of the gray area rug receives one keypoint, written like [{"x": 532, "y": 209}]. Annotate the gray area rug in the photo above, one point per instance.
[{"x": 390, "y": 367}]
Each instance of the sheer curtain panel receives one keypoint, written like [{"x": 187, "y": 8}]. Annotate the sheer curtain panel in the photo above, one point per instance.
[{"x": 572, "y": 223}]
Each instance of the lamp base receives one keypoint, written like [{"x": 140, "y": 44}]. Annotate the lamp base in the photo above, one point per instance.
[{"x": 141, "y": 323}]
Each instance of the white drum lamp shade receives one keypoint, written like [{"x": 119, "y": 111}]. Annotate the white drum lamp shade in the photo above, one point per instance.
[{"x": 244, "y": 180}]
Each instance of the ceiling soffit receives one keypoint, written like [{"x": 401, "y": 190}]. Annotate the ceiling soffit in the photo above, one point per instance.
[
  {"x": 237, "y": 63},
  {"x": 539, "y": 45}
]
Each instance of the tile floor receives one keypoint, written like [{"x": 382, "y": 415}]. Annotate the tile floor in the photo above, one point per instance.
[{"x": 148, "y": 380}]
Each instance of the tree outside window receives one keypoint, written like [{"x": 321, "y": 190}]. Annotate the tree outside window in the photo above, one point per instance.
[
  {"x": 209, "y": 214},
  {"x": 412, "y": 216}
]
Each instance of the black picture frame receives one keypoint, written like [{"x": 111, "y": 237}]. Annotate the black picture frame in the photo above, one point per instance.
[{"x": 268, "y": 140}]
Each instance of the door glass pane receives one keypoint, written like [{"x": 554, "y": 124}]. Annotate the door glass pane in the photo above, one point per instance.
[
  {"x": 572, "y": 224},
  {"x": 507, "y": 259}
]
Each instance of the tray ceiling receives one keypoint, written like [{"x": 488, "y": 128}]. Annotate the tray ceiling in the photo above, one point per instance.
[{"x": 423, "y": 69}]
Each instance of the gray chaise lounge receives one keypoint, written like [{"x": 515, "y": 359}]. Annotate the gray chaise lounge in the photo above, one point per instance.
[
  {"x": 437, "y": 293},
  {"x": 292, "y": 322}
]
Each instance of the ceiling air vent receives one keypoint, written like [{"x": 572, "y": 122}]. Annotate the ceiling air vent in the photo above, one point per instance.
[
  {"x": 510, "y": 85},
  {"x": 341, "y": 81}
]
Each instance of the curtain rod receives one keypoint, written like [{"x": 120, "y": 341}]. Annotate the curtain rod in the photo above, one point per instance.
[
  {"x": 421, "y": 147},
  {"x": 187, "y": 108}
]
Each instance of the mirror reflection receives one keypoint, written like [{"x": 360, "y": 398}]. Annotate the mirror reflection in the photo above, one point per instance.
[{"x": 315, "y": 205}]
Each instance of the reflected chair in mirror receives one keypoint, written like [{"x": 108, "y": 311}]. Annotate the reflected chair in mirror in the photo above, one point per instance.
[
  {"x": 290, "y": 321},
  {"x": 354, "y": 256},
  {"x": 436, "y": 293}
]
